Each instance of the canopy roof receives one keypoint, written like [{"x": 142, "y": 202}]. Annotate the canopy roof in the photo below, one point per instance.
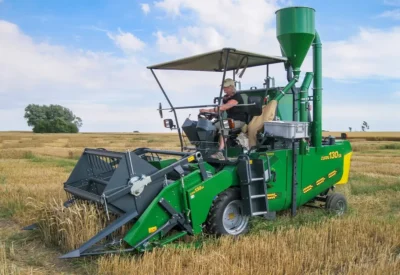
[{"x": 215, "y": 61}]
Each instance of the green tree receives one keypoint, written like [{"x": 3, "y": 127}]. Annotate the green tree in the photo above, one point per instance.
[{"x": 52, "y": 119}]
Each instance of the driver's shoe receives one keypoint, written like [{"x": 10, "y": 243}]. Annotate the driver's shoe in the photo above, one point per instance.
[{"x": 218, "y": 155}]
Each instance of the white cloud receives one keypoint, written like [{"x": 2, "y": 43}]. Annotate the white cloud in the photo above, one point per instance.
[
  {"x": 170, "y": 6},
  {"x": 94, "y": 28},
  {"x": 361, "y": 56},
  {"x": 110, "y": 93},
  {"x": 39, "y": 62},
  {"x": 190, "y": 40},
  {"x": 368, "y": 54},
  {"x": 217, "y": 24},
  {"x": 393, "y": 14},
  {"x": 118, "y": 118},
  {"x": 127, "y": 42},
  {"x": 119, "y": 94},
  {"x": 241, "y": 17},
  {"x": 145, "y": 8},
  {"x": 42, "y": 73}
]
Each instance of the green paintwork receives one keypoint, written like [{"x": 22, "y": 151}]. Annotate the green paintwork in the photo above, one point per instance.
[
  {"x": 286, "y": 89},
  {"x": 201, "y": 196},
  {"x": 319, "y": 166},
  {"x": 316, "y": 128},
  {"x": 163, "y": 163},
  {"x": 253, "y": 92},
  {"x": 234, "y": 151},
  {"x": 155, "y": 215},
  {"x": 173, "y": 238},
  {"x": 313, "y": 166},
  {"x": 295, "y": 31},
  {"x": 278, "y": 160},
  {"x": 304, "y": 106},
  {"x": 304, "y": 96},
  {"x": 285, "y": 109}
]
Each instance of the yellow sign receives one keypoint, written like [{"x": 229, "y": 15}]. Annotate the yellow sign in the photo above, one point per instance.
[
  {"x": 251, "y": 161},
  {"x": 197, "y": 189},
  {"x": 152, "y": 229},
  {"x": 308, "y": 188},
  {"x": 332, "y": 155},
  {"x": 320, "y": 181},
  {"x": 331, "y": 174},
  {"x": 272, "y": 196},
  {"x": 191, "y": 158}
]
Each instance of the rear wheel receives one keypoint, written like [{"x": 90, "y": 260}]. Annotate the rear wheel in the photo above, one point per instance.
[
  {"x": 336, "y": 204},
  {"x": 226, "y": 214}
]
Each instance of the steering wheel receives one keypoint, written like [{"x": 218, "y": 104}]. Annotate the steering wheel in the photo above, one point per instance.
[{"x": 208, "y": 115}]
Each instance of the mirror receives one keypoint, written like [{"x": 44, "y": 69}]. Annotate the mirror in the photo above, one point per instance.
[
  {"x": 168, "y": 123},
  {"x": 160, "y": 110}
]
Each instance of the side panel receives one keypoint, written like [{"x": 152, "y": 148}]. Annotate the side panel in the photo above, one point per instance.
[
  {"x": 277, "y": 191},
  {"x": 322, "y": 169},
  {"x": 285, "y": 108},
  {"x": 316, "y": 172}
]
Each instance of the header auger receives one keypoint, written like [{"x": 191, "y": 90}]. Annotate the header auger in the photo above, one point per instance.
[{"x": 284, "y": 163}]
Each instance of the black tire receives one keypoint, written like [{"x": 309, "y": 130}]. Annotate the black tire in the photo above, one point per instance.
[
  {"x": 328, "y": 198},
  {"x": 229, "y": 200},
  {"x": 336, "y": 203}
]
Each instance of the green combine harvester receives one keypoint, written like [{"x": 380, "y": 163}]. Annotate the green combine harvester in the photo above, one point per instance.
[{"x": 166, "y": 195}]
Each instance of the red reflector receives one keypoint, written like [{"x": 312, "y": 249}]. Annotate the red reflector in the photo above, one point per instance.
[{"x": 231, "y": 123}]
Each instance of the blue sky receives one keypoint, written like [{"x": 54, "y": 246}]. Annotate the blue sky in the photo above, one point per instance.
[{"x": 91, "y": 56}]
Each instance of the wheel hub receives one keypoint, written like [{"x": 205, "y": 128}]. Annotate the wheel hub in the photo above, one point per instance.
[
  {"x": 234, "y": 221},
  {"x": 340, "y": 207}
]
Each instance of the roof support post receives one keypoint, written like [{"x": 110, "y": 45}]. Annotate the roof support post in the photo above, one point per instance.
[{"x": 220, "y": 100}]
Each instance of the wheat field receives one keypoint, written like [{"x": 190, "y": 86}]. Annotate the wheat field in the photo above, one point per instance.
[{"x": 33, "y": 168}]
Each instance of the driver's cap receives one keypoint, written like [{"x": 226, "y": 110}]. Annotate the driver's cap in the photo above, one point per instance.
[{"x": 229, "y": 82}]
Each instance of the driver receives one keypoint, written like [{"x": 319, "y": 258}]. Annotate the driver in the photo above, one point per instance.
[{"x": 237, "y": 114}]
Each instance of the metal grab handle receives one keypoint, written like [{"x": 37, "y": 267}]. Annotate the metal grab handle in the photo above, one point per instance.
[{"x": 299, "y": 129}]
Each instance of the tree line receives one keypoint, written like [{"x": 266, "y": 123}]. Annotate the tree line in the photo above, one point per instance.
[{"x": 52, "y": 119}]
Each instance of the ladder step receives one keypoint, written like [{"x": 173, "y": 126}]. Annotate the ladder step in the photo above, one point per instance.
[
  {"x": 258, "y": 196},
  {"x": 256, "y": 179},
  {"x": 259, "y": 213}
]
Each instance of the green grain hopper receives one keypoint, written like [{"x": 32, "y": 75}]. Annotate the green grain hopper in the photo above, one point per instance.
[{"x": 166, "y": 195}]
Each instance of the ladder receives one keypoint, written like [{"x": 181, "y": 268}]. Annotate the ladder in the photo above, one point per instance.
[{"x": 252, "y": 186}]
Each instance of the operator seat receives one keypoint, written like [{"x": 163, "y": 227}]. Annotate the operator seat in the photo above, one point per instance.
[
  {"x": 257, "y": 122},
  {"x": 251, "y": 111}
]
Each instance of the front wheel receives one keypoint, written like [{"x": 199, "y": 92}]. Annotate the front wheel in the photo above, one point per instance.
[
  {"x": 226, "y": 214},
  {"x": 336, "y": 204}
]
